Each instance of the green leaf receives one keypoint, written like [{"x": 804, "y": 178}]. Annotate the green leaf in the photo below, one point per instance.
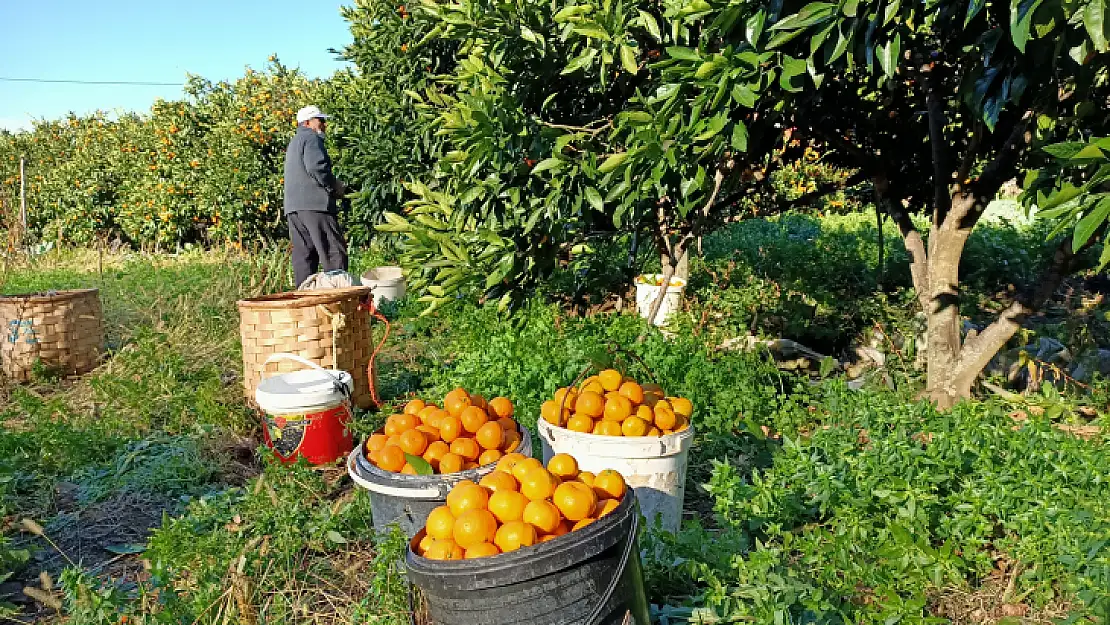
[
  {"x": 849, "y": 8},
  {"x": 973, "y": 9},
  {"x": 1094, "y": 18},
  {"x": 613, "y": 162},
  {"x": 1103, "y": 263},
  {"x": 744, "y": 96},
  {"x": 594, "y": 198},
  {"x": 546, "y": 164},
  {"x": 574, "y": 10},
  {"x": 649, "y": 23},
  {"x": 1021, "y": 16},
  {"x": 793, "y": 74},
  {"x": 1087, "y": 226},
  {"x": 1066, "y": 149},
  {"x": 419, "y": 464},
  {"x": 628, "y": 60},
  {"x": 683, "y": 54},
  {"x": 583, "y": 60},
  {"x": 754, "y": 27},
  {"x": 812, "y": 13},
  {"x": 888, "y": 55},
  {"x": 338, "y": 538},
  {"x": 739, "y": 140},
  {"x": 618, "y": 191},
  {"x": 706, "y": 69},
  {"x": 592, "y": 30}
]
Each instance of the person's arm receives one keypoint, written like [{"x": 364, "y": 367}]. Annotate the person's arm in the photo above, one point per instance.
[{"x": 318, "y": 165}]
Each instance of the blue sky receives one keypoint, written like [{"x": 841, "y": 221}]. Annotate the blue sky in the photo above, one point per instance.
[{"x": 155, "y": 41}]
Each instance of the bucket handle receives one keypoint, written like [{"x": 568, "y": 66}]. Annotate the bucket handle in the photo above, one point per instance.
[
  {"x": 408, "y": 493},
  {"x": 308, "y": 363},
  {"x": 595, "y": 615}
]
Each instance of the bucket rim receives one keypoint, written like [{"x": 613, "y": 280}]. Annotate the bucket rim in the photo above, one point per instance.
[
  {"x": 664, "y": 446},
  {"x": 527, "y": 563}
]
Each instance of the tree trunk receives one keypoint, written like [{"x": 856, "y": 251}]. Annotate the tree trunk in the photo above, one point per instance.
[{"x": 682, "y": 268}]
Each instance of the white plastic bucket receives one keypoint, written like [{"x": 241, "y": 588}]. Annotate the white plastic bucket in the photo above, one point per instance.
[
  {"x": 646, "y": 294},
  {"x": 386, "y": 283},
  {"x": 306, "y": 412},
  {"x": 655, "y": 466}
]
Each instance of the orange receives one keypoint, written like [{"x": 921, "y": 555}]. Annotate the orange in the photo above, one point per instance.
[
  {"x": 466, "y": 496},
  {"x": 513, "y": 536},
  {"x": 508, "y": 461},
  {"x": 538, "y": 484},
  {"x": 561, "y": 529},
  {"x": 474, "y": 527},
  {"x": 618, "y": 408},
  {"x": 632, "y": 392},
  {"x": 507, "y": 424},
  {"x": 645, "y": 413},
  {"x": 547, "y": 537},
  {"x": 634, "y": 426},
  {"x": 498, "y": 481},
  {"x": 422, "y": 547},
  {"x": 580, "y": 423},
  {"x": 654, "y": 431},
  {"x": 583, "y": 523},
  {"x": 610, "y": 379},
  {"x": 592, "y": 386},
  {"x": 575, "y": 500},
  {"x": 571, "y": 396},
  {"x": 543, "y": 515},
  {"x": 470, "y": 465},
  {"x": 414, "y": 442},
  {"x": 479, "y": 401},
  {"x": 376, "y": 442},
  {"x": 668, "y": 432},
  {"x": 392, "y": 458},
  {"x": 510, "y": 441},
  {"x": 608, "y": 428},
  {"x": 444, "y": 550},
  {"x": 374, "y": 457},
  {"x": 682, "y": 427},
  {"x": 450, "y": 428},
  {"x": 550, "y": 412},
  {"x": 501, "y": 406},
  {"x": 507, "y": 505},
  {"x": 451, "y": 463},
  {"x": 435, "y": 417},
  {"x": 458, "y": 392},
  {"x": 605, "y": 506},
  {"x": 652, "y": 388},
  {"x": 665, "y": 418},
  {"x": 586, "y": 477},
  {"x": 590, "y": 404},
  {"x": 482, "y": 550},
  {"x": 467, "y": 448},
  {"x": 408, "y": 469},
  {"x": 456, "y": 404},
  {"x": 523, "y": 467},
  {"x": 406, "y": 422},
  {"x": 430, "y": 433},
  {"x": 489, "y": 456},
  {"x": 681, "y": 406},
  {"x": 473, "y": 418},
  {"x": 441, "y": 523},
  {"x": 414, "y": 407},
  {"x": 563, "y": 466},
  {"x": 490, "y": 435},
  {"x": 394, "y": 440},
  {"x": 609, "y": 484},
  {"x": 426, "y": 412},
  {"x": 392, "y": 428}
]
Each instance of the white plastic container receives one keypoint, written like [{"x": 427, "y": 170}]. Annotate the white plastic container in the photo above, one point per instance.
[
  {"x": 306, "y": 412},
  {"x": 655, "y": 466},
  {"x": 646, "y": 294},
  {"x": 386, "y": 283}
]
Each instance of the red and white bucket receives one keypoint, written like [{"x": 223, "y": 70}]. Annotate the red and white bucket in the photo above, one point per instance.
[{"x": 307, "y": 412}]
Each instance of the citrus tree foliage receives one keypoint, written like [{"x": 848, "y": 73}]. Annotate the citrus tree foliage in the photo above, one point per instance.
[{"x": 205, "y": 168}]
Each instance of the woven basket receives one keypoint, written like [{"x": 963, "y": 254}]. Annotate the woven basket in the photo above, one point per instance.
[
  {"x": 329, "y": 327},
  {"x": 62, "y": 329}
]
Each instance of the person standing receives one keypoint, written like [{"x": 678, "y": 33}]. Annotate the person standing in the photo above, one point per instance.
[{"x": 311, "y": 194}]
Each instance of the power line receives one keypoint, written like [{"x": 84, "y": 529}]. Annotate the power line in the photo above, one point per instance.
[{"x": 140, "y": 83}]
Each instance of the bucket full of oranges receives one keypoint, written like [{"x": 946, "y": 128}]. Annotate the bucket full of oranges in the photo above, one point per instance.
[
  {"x": 423, "y": 451},
  {"x": 611, "y": 420},
  {"x": 532, "y": 544}
]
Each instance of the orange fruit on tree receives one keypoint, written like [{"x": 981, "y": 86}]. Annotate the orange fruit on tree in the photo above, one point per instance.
[
  {"x": 451, "y": 463},
  {"x": 444, "y": 550},
  {"x": 489, "y": 456},
  {"x": 583, "y": 523},
  {"x": 450, "y": 428},
  {"x": 456, "y": 404},
  {"x": 580, "y": 423},
  {"x": 478, "y": 401},
  {"x": 632, "y": 392},
  {"x": 414, "y": 407},
  {"x": 543, "y": 515},
  {"x": 608, "y": 428},
  {"x": 392, "y": 458},
  {"x": 501, "y": 406},
  {"x": 376, "y": 442},
  {"x": 507, "y": 505},
  {"x": 440, "y": 523},
  {"x": 681, "y": 406},
  {"x": 618, "y": 408},
  {"x": 514, "y": 535},
  {"x": 538, "y": 484},
  {"x": 665, "y": 418},
  {"x": 498, "y": 481},
  {"x": 575, "y": 500},
  {"x": 610, "y": 484},
  {"x": 590, "y": 404},
  {"x": 522, "y": 468},
  {"x": 563, "y": 466},
  {"x": 467, "y": 448},
  {"x": 408, "y": 469},
  {"x": 414, "y": 442},
  {"x": 508, "y": 461},
  {"x": 474, "y": 527},
  {"x": 634, "y": 426},
  {"x": 473, "y": 418},
  {"x": 550, "y": 412},
  {"x": 483, "y": 550},
  {"x": 490, "y": 435},
  {"x": 586, "y": 477},
  {"x": 605, "y": 506},
  {"x": 610, "y": 379}
]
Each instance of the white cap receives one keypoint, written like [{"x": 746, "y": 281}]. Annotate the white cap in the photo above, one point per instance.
[{"x": 310, "y": 112}]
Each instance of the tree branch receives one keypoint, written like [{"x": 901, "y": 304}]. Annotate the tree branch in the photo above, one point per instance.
[
  {"x": 997, "y": 172},
  {"x": 942, "y": 168},
  {"x": 911, "y": 238}
]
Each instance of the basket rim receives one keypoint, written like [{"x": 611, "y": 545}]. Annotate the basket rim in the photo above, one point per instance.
[
  {"x": 41, "y": 296},
  {"x": 300, "y": 299}
]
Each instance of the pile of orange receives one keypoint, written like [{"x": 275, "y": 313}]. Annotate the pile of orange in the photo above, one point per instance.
[
  {"x": 610, "y": 404},
  {"x": 468, "y": 432},
  {"x": 520, "y": 504}
]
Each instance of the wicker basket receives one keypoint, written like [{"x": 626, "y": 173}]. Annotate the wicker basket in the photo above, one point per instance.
[
  {"x": 329, "y": 327},
  {"x": 62, "y": 329}
]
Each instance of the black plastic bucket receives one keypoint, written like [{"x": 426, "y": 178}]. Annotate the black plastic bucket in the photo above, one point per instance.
[
  {"x": 589, "y": 577},
  {"x": 407, "y": 500}
]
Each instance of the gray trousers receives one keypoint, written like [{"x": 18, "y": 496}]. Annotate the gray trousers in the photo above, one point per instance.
[{"x": 317, "y": 238}]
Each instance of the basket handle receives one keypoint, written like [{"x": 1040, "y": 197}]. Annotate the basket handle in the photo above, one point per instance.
[{"x": 308, "y": 363}]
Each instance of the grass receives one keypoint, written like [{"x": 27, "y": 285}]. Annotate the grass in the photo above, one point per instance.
[{"x": 806, "y": 502}]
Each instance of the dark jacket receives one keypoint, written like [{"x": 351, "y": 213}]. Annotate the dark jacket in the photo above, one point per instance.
[{"x": 309, "y": 182}]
